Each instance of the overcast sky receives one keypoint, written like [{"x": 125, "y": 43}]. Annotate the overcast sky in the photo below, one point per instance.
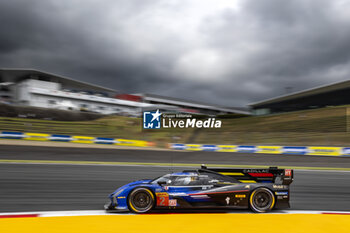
[{"x": 227, "y": 52}]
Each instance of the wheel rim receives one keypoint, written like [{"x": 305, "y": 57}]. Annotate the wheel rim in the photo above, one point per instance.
[
  {"x": 141, "y": 201},
  {"x": 262, "y": 200}
]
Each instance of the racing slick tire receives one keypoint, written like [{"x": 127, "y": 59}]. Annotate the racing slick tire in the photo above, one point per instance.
[
  {"x": 141, "y": 200},
  {"x": 261, "y": 200}
]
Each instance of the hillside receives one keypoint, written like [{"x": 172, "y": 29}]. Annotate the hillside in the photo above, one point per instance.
[{"x": 326, "y": 126}]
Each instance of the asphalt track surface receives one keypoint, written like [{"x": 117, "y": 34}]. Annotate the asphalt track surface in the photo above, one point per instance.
[
  {"x": 198, "y": 157},
  {"x": 44, "y": 187}
]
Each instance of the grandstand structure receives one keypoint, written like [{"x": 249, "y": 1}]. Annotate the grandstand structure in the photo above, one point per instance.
[
  {"x": 185, "y": 106},
  {"x": 29, "y": 87},
  {"x": 335, "y": 94},
  {"x": 26, "y": 87}
]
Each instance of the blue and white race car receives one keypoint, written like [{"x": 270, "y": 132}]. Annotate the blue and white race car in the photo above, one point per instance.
[{"x": 261, "y": 190}]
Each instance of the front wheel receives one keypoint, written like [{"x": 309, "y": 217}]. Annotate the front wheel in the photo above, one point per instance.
[
  {"x": 261, "y": 200},
  {"x": 141, "y": 200}
]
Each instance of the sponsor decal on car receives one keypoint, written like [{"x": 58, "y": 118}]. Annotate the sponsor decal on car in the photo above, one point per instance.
[
  {"x": 172, "y": 202},
  {"x": 279, "y": 186},
  {"x": 162, "y": 199},
  {"x": 281, "y": 193},
  {"x": 288, "y": 172},
  {"x": 240, "y": 196},
  {"x": 256, "y": 170}
]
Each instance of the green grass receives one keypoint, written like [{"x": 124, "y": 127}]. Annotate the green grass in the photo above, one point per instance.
[
  {"x": 326, "y": 126},
  {"x": 113, "y": 127}
]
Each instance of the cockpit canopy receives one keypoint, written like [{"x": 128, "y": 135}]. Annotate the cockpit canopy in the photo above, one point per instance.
[{"x": 193, "y": 178}]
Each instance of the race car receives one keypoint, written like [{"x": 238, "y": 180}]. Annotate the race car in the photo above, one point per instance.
[{"x": 261, "y": 190}]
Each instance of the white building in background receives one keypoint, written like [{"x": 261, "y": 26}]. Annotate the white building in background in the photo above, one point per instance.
[
  {"x": 41, "y": 89},
  {"x": 38, "y": 89}
]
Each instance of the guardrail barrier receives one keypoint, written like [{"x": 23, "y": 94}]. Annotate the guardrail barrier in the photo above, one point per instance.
[
  {"x": 75, "y": 139},
  {"x": 296, "y": 150}
]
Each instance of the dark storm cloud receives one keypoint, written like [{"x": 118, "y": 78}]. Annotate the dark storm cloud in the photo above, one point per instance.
[{"x": 200, "y": 50}]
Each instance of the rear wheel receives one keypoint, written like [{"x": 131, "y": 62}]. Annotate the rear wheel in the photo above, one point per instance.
[
  {"x": 141, "y": 200},
  {"x": 261, "y": 200}
]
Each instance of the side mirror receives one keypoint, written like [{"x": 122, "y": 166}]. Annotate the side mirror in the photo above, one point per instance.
[{"x": 161, "y": 183}]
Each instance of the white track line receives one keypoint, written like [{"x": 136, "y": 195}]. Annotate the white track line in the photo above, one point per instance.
[
  {"x": 63, "y": 213},
  {"x": 101, "y": 213}
]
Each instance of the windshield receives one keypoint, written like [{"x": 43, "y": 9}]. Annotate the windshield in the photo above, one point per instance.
[
  {"x": 165, "y": 178},
  {"x": 204, "y": 178},
  {"x": 178, "y": 180}
]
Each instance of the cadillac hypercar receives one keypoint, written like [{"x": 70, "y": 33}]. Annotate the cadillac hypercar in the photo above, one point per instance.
[{"x": 261, "y": 190}]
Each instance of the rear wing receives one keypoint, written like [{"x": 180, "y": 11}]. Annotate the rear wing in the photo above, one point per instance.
[{"x": 251, "y": 175}]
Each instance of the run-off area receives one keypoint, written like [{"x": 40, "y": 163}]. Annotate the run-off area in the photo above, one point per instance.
[{"x": 176, "y": 223}]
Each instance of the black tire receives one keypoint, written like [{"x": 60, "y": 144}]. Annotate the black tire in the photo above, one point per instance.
[
  {"x": 261, "y": 200},
  {"x": 141, "y": 200}
]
